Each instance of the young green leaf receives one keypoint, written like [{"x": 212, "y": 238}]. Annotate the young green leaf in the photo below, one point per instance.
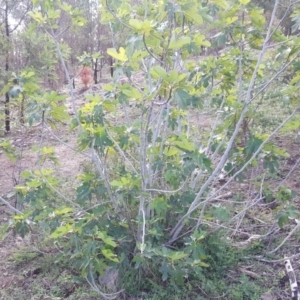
[
  {"x": 61, "y": 231},
  {"x": 110, "y": 255},
  {"x": 158, "y": 72},
  {"x": 244, "y": 1},
  {"x": 121, "y": 55}
]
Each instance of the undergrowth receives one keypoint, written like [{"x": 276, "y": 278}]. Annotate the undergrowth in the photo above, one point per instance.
[{"x": 49, "y": 276}]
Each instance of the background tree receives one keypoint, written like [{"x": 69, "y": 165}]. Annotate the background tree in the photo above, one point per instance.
[{"x": 16, "y": 11}]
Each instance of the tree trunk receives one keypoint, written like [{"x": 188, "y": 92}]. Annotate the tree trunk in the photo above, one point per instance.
[
  {"x": 96, "y": 71},
  {"x": 111, "y": 64},
  {"x": 7, "y": 110}
]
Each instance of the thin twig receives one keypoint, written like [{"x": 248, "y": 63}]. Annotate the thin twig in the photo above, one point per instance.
[
  {"x": 285, "y": 240},
  {"x": 276, "y": 260},
  {"x": 151, "y": 54},
  {"x": 167, "y": 191},
  {"x": 64, "y": 143},
  {"x": 288, "y": 174},
  {"x": 10, "y": 206},
  {"x": 116, "y": 17},
  {"x": 122, "y": 152}
]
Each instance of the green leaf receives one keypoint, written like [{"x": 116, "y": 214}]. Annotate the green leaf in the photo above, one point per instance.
[
  {"x": 106, "y": 239},
  {"x": 203, "y": 264},
  {"x": 283, "y": 219},
  {"x": 182, "y": 97},
  {"x": 9, "y": 150},
  {"x": 295, "y": 79},
  {"x": 61, "y": 231},
  {"x": 58, "y": 113},
  {"x": 53, "y": 14},
  {"x": 271, "y": 162},
  {"x": 84, "y": 192},
  {"x": 165, "y": 271},
  {"x": 79, "y": 21},
  {"x": 109, "y": 105},
  {"x": 132, "y": 93},
  {"x": 184, "y": 144},
  {"x": 253, "y": 145},
  {"x": 22, "y": 228},
  {"x": 138, "y": 55},
  {"x": 136, "y": 24},
  {"x": 28, "y": 75},
  {"x": 231, "y": 20},
  {"x": 37, "y": 16},
  {"x": 292, "y": 212},
  {"x": 280, "y": 152},
  {"x": 143, "y": 27},
  {"x": 26, "y": 174},
  {"x": 290, "y": 126},
  {"x": 54, "y": 97},
  {"x": 202, "y": 161},
  {"x": 178, "y": 43},
  {"x": 34, "y": 183},
  {"x": 170, "y": 151},
  {"x": 110, "y": 255},
  {"x": 285, "y": 194},
  {"x": 257, "y": 17},
  {"x": 194, "y": 17},
  {"x": 221, "y": 3},
  {"x": 176, "y": 255},
  {"x": 66, "y": 7},
  {"x": 158, "y": 72},
  {"x": 121, "y": 55},
  {"x": 63, "y": 211},
  {"x": 220, "y": 213},
  {"x": 15, "y": 91},
  {"x": 244, "y": 1},
  {"x": 4, "y": 231},
  {"x": 160, "y": 205},
  {"x": 102, "y": 139},
  {"x": 116, "y": 183},
  {"x": 200, "y": 40},
  {"x": 138, "y": 260}
]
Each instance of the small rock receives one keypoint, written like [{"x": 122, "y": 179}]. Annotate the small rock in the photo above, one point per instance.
[{"x": 110, "y": 279}]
